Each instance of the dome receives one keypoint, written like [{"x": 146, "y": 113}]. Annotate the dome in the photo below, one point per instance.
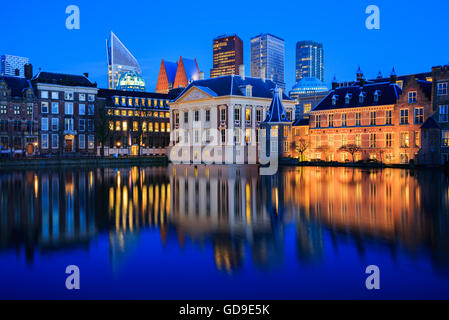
[
  {"x": 131, "y": 81},
  {"x": 308, "y": 85}
]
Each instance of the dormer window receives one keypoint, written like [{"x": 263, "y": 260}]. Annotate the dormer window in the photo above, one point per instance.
[
  {"x": 376, "y": 95},
  {"x": 362, "y": 97},
  {"x": 348, "y": 98},
  {"x": 334, "y": 99},
  {"x": 249, "y": 90}
]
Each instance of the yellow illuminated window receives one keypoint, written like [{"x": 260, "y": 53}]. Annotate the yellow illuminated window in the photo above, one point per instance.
[
  {"x": 144, "y": 126},
  {"x": 110, "y": 112},
  {"x": 162, "y": 126},
  {"x": 125, "y": 125},
  {"x": 156, "y": 127},
  {"x": 130, "y": 113},
  {"x": 149, "y": 114},
  {"x": 123, "y": 112},
  {"x": 117, "y": 112},
  {"x": 123, "y": 101},
  {"x": 168, "y": 126},
  {"x": 118, "y": 126},
  {"x": 116, "y": 100},
  {"x": 135, "y": 126},
  {"x": 155, "y": 114},
  {"x": 143, "y": 102},
  {"x": 161, "y": 103},
  {"x": 136, "y": 113},
  {"x": 136, "y": 101},
  {"x": 150, "y": 126},
  {"x": 111, "y": 125},
  {"x": 130, "y": 101},
  {"x": 248, "y": 114},
  {"x": 167, "y": 114}
]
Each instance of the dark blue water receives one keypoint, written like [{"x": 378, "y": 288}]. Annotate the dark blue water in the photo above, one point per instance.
[{"x": 223, "y": 233}]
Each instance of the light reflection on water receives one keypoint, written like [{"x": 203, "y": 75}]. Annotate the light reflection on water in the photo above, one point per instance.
[{"x": 242, "y": 216}]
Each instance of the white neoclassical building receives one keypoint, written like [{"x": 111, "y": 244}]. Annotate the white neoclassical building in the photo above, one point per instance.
[{"x": 217, "y": 120}]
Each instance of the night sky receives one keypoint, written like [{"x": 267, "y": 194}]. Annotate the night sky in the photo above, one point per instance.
[{"x": 413, "y": 34}]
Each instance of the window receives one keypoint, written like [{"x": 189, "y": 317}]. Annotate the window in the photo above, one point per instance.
[
  {"x": 156, "y": 127},
  {"x": 207, "y": 115},
  {"x": 258, "y": 115},
  {"x": 442, "y": 89},
  {"x": 248, "y": 114},
  {"x": 331, "y": 120},
  {"x": 404, "y": 116},
  {"x": 44, "y": 124},
  {"x": 135, "y": 126},
  {"x": 82, "y": 141},
  {"x": 55, "y": 107},
  {"x": 68, "y": 124},
  {"x": 334, "y": 99},
  {"x": 91, "y": 141},
  {"x": 348, "y": 98},
  {"x": 223, "y": 136},
  {"x": 162, "y": 126},
  {"x": 372, "y": 140},
  {"x": 82, "y": 125},
  {"x": 388, "y": 117},
  {"x": 68, "y": 95},
  {"x": 16, "y": 110},
  {"x": 54, "y": 141},
  {"x": 223, "y": 114},
  {"x": 417, "y": 139},
  {"x": 388, "y": 140},
  {"x": 358, "y": 117},
  {"x": 90, "y": 109},
  {"x": 318, "y": 121},
  {"x": 344, "y": 139},
  {"x": 69, "y": 108},
  {"x": 412, "y": 97},
  {"x": 82, "y": 97},
  {"x": 3, "y": 125},
  {"x": 405, "y": 140},
  {"x": 90, "y": 125},
  {"x": 344, "y": 122},
  {"x": 285, "y": 146},
  {"x": 91, "y": 98},
  {"x": 111, "y": 125},
  {"x": 197, "y": 116},
  {"x": 17, "y": 125},
  {"x": 150, "y": 126},
  {"x": 54, "y": 124},
  {"x": 186, "y": 117},
  {"x": 55, "y": 95},
  {"x": 376, "y": 95},
  {"x": 44, "y": 107},
  {"x": 249, "y": 91},
  {"x": 168, "y": 126},
  {"x": 44, "y": 141},
  {"x": 330, "y": 141},
  {"x": 419, "y": 115},
  {"x": 372, "y": 118},
  {"x": 82, "y": 109},
  {"x": 362, "y": 97},
  {"x": 44, "y": 94},
  {"x": 307, "y": 107},
  {"x": 237, "y": 114},
  {"x": 125, "y": 126},
  {"x": 444, "y": 113},
  {"x": 196, "y": 136},
  {"x": 358, "y": 139},
  {"x": 3, "y": 109},
  {"x": 445, "y": 138}
]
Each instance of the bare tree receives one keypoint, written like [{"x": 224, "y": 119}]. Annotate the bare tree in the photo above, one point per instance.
[
  {"x": 352, "y": 149},
  {"x": 301, "y": 147}
]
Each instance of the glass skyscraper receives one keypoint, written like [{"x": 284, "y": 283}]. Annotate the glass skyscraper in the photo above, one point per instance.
[
  {"x": 120, "y": 61},
  {"x": 227, "y": 55},
  {"x": 267, "y": 53},
  {"x": 13, "y": 66},
  {"x": 309, "y": 60}
]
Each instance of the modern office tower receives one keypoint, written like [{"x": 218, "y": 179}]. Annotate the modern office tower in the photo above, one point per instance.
[
  {"x": 227, "y": 55},
  {"x": 267, "y": 53},
  {"x": 309, "y": 60},
  {"x": 120, "y": 61},
  {"x": 13, "y": 66}
]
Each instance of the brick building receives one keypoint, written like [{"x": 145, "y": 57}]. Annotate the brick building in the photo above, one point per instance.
[
  {"x": 66, "y": 111},
  {"x": 440, "y": 105},
  {"x": 376, "y": 120},
  {"x": 136, "y": 123},
  {"x": 18, "y": 117}
]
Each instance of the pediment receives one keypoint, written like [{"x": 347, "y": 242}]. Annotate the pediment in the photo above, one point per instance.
[{"x": 194, "y": 93}]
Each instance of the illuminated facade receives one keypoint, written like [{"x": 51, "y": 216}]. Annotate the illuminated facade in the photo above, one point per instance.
[
  {"x": 120, "y": 61},
  {"x": 308, "y": 92},
  {"x": 131, "y": 81},
  {"x": 309, "y": 60},
  {"x": 218, "y": 119},
  {"x": 227, "y": 55},
  {"x": 440, "y": 105},
  {"x": 267, "y": 58},
  {"x": 138, "y": 122}
]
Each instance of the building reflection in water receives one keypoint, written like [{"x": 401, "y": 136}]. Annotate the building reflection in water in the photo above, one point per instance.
[{"x": 241, "y": 215}]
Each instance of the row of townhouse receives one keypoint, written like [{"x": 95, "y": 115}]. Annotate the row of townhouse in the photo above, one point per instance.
[{"x": 54, "y": 114}]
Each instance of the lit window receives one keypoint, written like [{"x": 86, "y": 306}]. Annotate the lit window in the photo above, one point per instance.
[
  {"x": 388, "y": 117},
  {"x": 444, "y": 113},
  {"x": 405, "y": 140},
  {"x": 404, "y": 116}
]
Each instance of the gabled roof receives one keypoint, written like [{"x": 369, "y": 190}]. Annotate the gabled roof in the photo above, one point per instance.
[
  {"x": 231, "y": 85},
  {"x": 388, "y": 94},
  {"x": 16, "y": 85},
  {"x": 430, "y": 123},
  {"x": 276, "y": 112},
  {"x": 301, "y": 122},
  {"x": 63, "y": 79}
]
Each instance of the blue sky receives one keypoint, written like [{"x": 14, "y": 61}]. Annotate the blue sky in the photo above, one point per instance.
[{"x": 413, "y": 34}]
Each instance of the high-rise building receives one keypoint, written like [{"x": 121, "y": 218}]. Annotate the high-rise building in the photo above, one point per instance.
[
  {"x": 267, "y": 56},
  {"x": 13, "y": 66},
  {"x": 309, "y": 60},
  {"x": 227, "y": 55},
  {"x": 120, "y": 61}
]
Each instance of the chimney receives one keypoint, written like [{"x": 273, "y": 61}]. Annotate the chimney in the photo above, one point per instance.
[
  {"x": 393, "y": 76},
  {"x": 334, "y": 83},
  {"x": 242, "y": 71},
  {"x": 201, "y": 75},
  {"x": 86, "y": 74},
  {"x": 28, "y": 68},
  {"x": 262, "y": 73}
]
